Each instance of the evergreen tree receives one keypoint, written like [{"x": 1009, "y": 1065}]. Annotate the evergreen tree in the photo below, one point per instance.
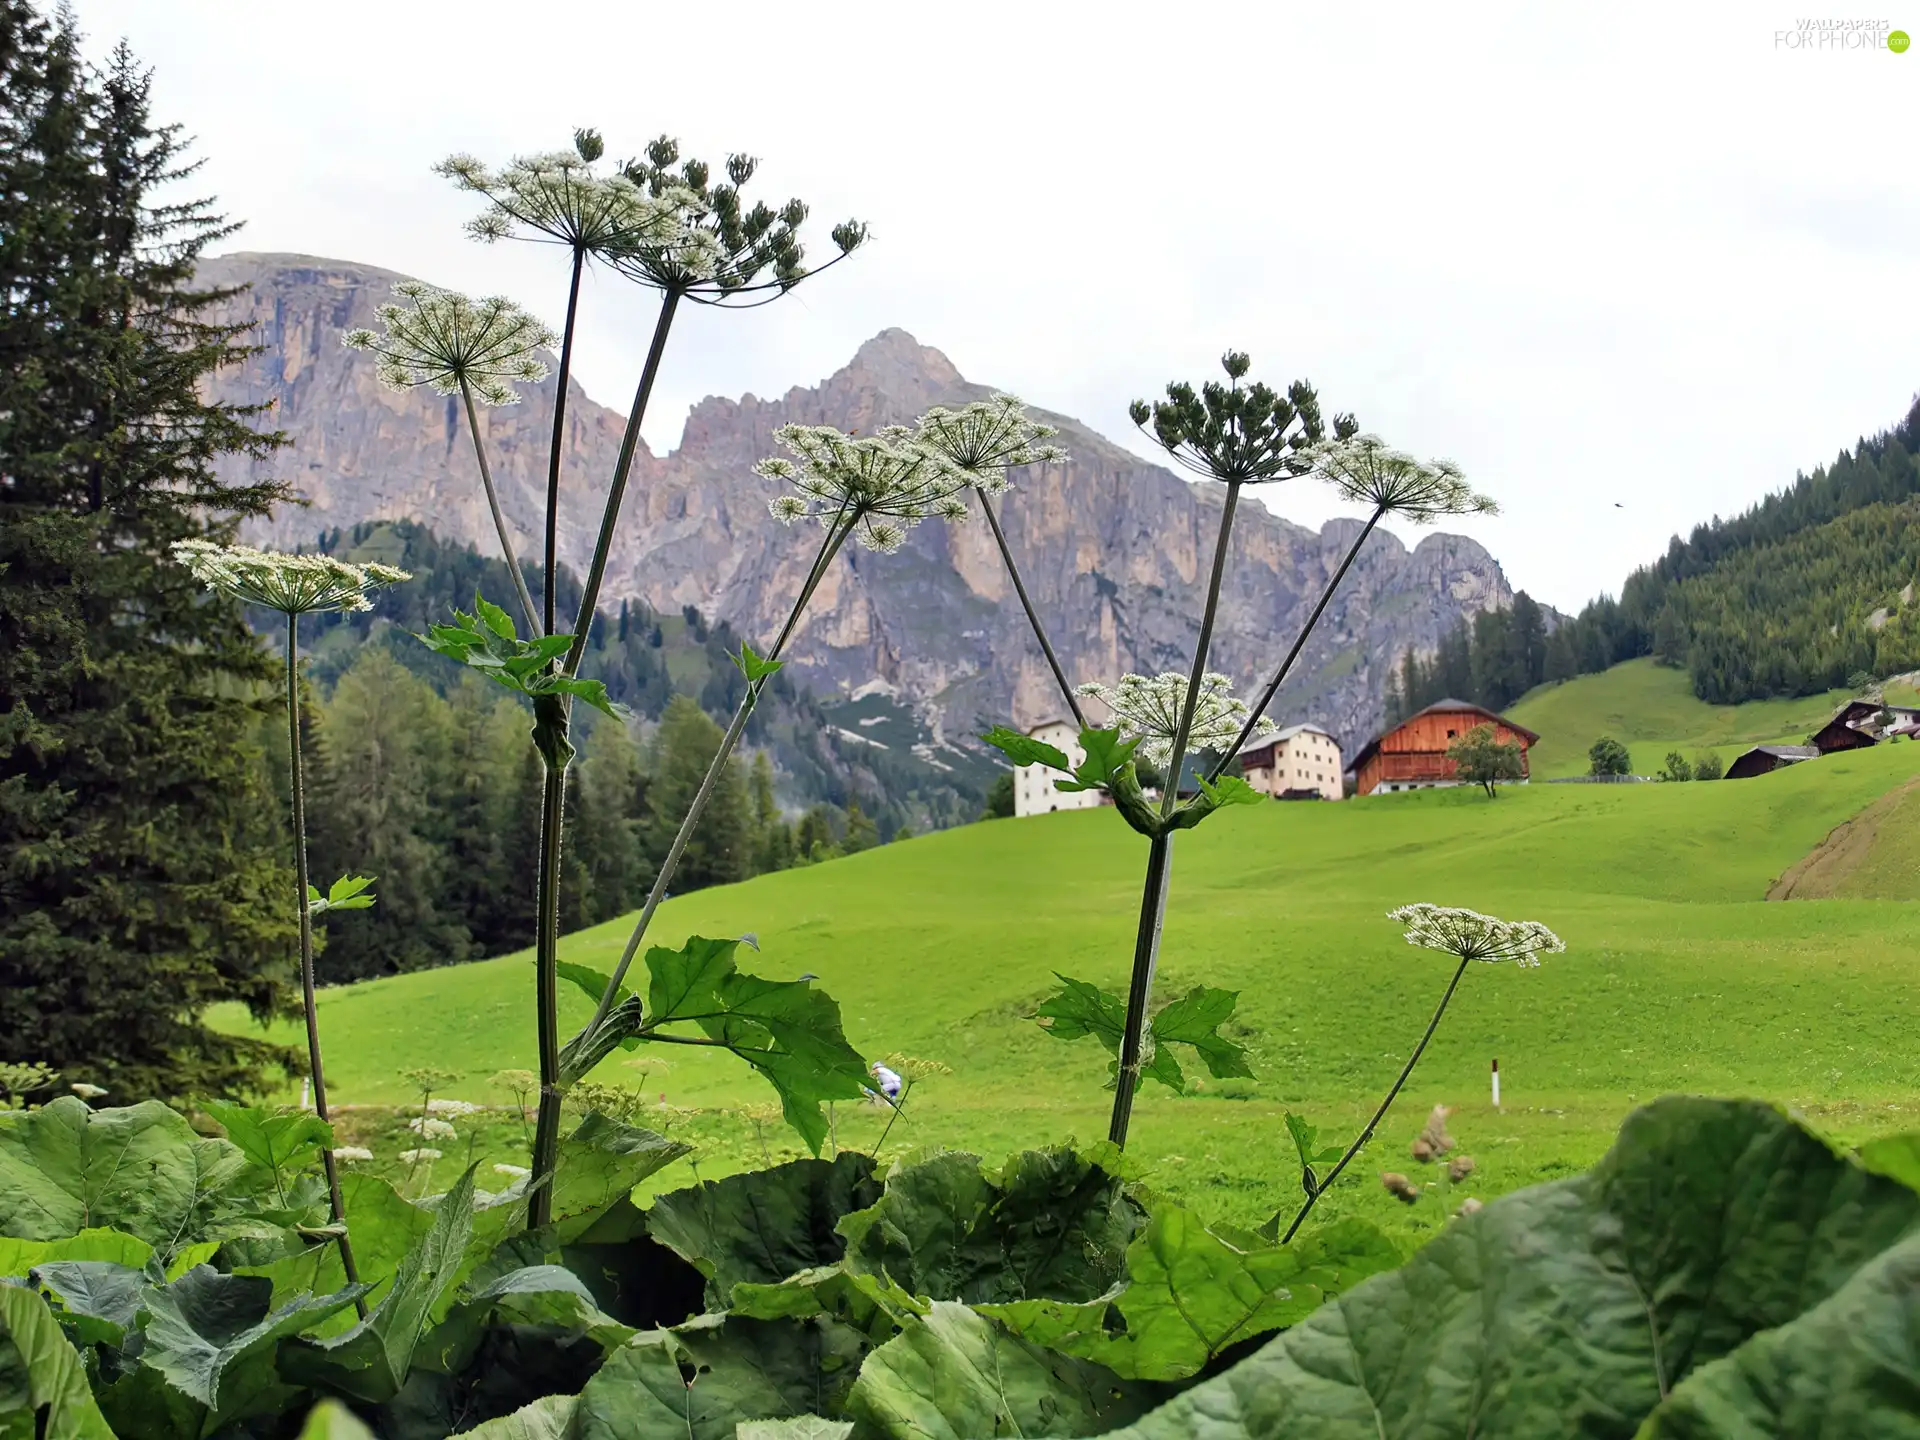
[
  {"x": 375, "y": 811},
  {"x": 773, "y": 835},
  {"x": 861, "y": 831},
  {"x": 813, "y": 837},
  {"x": 486, "y": 733},
  {"x": 721, "y": 848},
  {"x": 604, "y": 835},
  {"x": 1000, "y": 797},
  {"x": 138, "y": 885}
]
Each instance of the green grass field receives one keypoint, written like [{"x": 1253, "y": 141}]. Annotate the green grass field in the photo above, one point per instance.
[
  {"x": 1679, "y": 977},
  {"x": 1652, "y": 709}
]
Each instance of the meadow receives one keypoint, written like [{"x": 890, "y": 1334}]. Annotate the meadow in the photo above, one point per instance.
[{"x": 1679, "y": 976}]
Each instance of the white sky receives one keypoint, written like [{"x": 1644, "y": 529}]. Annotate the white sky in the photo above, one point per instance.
[{"x": 1596, "y": 254}]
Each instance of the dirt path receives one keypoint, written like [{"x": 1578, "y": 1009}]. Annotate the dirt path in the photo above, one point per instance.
[{"x": 1833, "y": 867}]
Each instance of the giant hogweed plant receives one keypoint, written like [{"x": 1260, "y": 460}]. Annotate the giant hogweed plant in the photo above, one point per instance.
[
  {"x": 688, "y": 232},
  {"x": 1235, "y": 434}
]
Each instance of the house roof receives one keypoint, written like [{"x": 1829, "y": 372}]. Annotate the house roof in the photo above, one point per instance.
[
  {"x": 1039, "y": 725},
  {"x": 1787, "y": 752},
  {"x": 1292, "y": 730},
  {"x": 1443, "y": 707}
]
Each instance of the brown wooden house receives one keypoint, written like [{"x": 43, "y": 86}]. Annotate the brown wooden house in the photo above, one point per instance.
[
  {"x": 1765, "y": 759},
  {"x": 1857, "y": 725},
  {"x": 1413, "y": 754}
]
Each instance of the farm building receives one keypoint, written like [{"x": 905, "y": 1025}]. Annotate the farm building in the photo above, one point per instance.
[
  {"x": 1300, "y": 762},
  {"x": 1860, "y": 723},
  {"x": 1033, "y": 788},
  {"x": 1764, "y": 759},
  {"x": 1413, "y": 754}
]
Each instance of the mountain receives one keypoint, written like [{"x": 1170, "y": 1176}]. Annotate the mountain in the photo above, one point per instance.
[{"x": 1113, "y": 549}]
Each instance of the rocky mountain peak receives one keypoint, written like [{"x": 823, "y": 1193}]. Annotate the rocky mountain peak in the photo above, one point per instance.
[{"x": 1113, "y": 548}]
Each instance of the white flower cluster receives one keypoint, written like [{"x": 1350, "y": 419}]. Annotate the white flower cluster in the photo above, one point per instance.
[
  {"x": 350, "y": 1153},
  {"x": 1365, "y": 470},
  {"x": 882, "y": 485},
  {"x": 86, "y": 1091},
  {"x": 559, "y": 197},
  {"x": 1150, "y": 710},
  {"x": 427, "y": 1128},
  {"x": 291, "y": 584},
  {"x": 451, "y": 1109},
  {"x": 415, "y": 1157},
  {"x": 987, "y": 437},
  {"x": 444, "y": 338},
  {"x": 1469, "y": 935}
]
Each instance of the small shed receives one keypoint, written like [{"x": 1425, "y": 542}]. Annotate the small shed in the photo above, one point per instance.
[
  {"x": 1764, "y": 759},
  {"x": 1840, "y": 734}
]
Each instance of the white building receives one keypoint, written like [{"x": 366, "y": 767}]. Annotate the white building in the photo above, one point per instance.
[
  {"x": 1301, "y": 759},
  {"x": 1033, "y": 790}
]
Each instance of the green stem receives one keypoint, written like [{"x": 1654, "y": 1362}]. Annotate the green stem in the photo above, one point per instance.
[
  {"x": 623, "y": 467},
  {"x": 1153, "y": 893},
  {"x": 1367, "y": 1134},
  {"x": 336, "y": 1209},
  {"x": 1259, "y": 707},
  {"x": 1146, "y": 956},
  {"x": 1033, "y": 616},
  {"x": 499, "y": 520},
  {"x": 546, "y": 989},
  {"x": 1185, "y": 729},
  {"x": 559, "y": 435},
  {"x": 836, "y": 536}
]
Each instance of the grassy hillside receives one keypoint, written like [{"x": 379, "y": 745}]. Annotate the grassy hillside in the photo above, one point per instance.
[
  {"x": 1652, "y": 709},
  {"x": 1679, "y": 976}
]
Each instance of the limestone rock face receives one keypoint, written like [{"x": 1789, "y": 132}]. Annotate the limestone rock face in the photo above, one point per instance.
[{"x": 1114, "y": 550}]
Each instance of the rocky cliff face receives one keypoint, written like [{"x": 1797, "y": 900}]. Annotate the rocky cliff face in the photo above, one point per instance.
[{"x": 1113, "y": 549}]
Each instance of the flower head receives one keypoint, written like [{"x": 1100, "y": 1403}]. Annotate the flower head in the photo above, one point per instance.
[
  {"x": 350, "y": 1153},
  {"x": 733, "y": 253},
  {"x": 86, "y": 1091},
  {"x": 558, "y": 197},
  {"x": 451, "y": 1109},
  {"x": 446, "y": 340},
  {"x": 1244, "y": 434},
  {"x": 1150, "y": 710},
  {"x": 415, "y": 1157},
  {"x": 1469, "y": 935},
  {"x": 882, "y": 484},
  {"x": 984, "y": 439},
  {"x": 291, "y": 584},
  {"x": 1362, "y": 468},
  {"x": 427, "y": 1128}
]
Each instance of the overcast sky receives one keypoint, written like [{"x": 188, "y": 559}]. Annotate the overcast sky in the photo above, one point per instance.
[{"x": 1629, "y": 266}]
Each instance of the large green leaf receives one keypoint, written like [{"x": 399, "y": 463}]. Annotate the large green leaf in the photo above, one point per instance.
[
  {"x": 278, "y": 1143},
  {"x": 1191, "y": 1294},
  {"x": 1050, "y": 1224},
  {"x": 43, "y": 1384},
  {"x": 958, "y": 1375},
  {"x": 641, "y": 1392},
  {"x": 99, "y": 1300},
  {"x": 384, "y": 1225},
  {"x": 371, "y": 1360},
  {"x": 1572, "y": 1308},
  {"x": 870, "y": 1304},
  {"x": 549, "y": 1418},
  {"x": 800, "y": 1427},
  {"x": 204, "y": 1329},
  {"x": 330, "y": 1420},
  {"x": 1078, "y": 1009},
  {"x": 764, "y": 1225},
  {"x": 599, "y": 1164},
  {"x": 65, "y": 1168},
  {"x": 549, "y": 1295},
  {"x": 1849, "y": 1366},
  {"x": 1895, "y": 1156},
  {"x": 785, "y": 1029},
  {"x": 17, "y": 1257}
]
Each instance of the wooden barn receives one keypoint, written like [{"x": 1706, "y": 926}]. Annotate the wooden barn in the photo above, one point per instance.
[
  {"x": 1858, "y": 725},
  {"x": 1413, "y": 754},
  {"x": 1765, "y": 759}
]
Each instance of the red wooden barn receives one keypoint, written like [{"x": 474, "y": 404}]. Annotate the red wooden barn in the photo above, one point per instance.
[{"x": 1413, "y": 754}]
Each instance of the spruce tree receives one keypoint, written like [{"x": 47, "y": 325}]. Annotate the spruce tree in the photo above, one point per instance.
[{"x": 135, "y": 889}]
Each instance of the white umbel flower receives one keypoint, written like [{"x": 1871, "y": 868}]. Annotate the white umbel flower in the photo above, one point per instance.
[
  {"x": 348, "y": 1154},
  {"x": 1469, "y": 935},
  {"x": 559, "y": 198},
  {"x": 291, "y": 584},
  {"x": 86, "y": 1091},
  {"x": 882, "y": 485},
  {"x": 451, "y": 1109},
  {"x": 415, "y": 1157},
  {"x": 1149, "y": 710},
  {"x": 1366, "y": 470},
  {"x": 444, "y": 338},
  {"x": 427, "y": 1128},
  {"x": 985, "y": 439}
]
